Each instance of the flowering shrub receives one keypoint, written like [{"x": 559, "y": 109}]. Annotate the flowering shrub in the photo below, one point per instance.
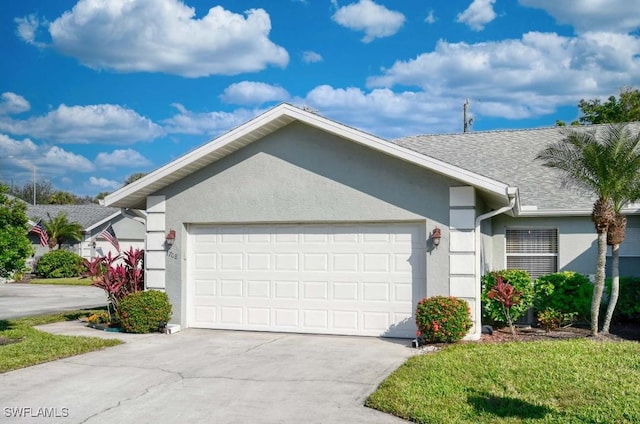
[
  {"x": 99, "y": 318},
  {"x": 117, "y": 280},
  {"x": 443, "y": 319}
]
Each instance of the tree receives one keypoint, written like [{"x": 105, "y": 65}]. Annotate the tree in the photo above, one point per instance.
[
  {"x": 60, "y": 230},
  {"x": 44, "y": 190},
  {"x": 63, "y": 198},
  {"x": 15, "y": 246},
  {"x": 625, "y": 108},
  {"x": 134, "y": 177},
  {"x": 100, "y": 196},
  {"x": 606, "y": 164}
]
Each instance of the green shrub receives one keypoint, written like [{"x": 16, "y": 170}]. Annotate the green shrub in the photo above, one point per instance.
[
  {"x": 628, "y": 305},
  {"x": 144, "y": 311},
  {"x": 564, "y": 292},
  {"x": 443, "y": 319},
  {"x": 59, "y": 264},
  {"x": 550, "y": 319},
  {"x": 492, "y": 310}
]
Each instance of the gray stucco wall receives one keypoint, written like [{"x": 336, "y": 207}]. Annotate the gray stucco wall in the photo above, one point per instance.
[
  {"x": 301, "y": 174},
  {"x": 577, "y": 241},
  {"x": 125, "y": 228}
]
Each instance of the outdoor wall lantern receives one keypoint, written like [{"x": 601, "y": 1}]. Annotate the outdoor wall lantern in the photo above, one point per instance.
[
  {"x": 436, "y": 236},
  {"x": 171, "y": 238}
]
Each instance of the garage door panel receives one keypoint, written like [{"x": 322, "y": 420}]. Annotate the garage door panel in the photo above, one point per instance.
[{"x": 331, "y": 279}]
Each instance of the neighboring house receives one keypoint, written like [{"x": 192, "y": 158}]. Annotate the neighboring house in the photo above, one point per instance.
[
  {"x": 293, "y": 222},
  {"x": 94, "y": 219}
]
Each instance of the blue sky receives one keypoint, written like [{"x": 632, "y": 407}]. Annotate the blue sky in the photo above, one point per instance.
[{"x": 92, "y": 91}]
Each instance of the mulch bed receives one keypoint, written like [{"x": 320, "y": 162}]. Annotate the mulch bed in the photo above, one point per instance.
[{"x": 618, "y": 333}]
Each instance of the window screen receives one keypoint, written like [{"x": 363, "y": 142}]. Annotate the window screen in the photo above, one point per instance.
[{"x": 533, "y": 249}]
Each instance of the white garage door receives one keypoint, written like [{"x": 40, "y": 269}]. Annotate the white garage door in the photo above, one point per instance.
[{"x": 331, "y": 279}]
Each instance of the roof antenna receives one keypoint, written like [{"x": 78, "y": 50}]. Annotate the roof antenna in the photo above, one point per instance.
[{"x": 466, "y": 120}]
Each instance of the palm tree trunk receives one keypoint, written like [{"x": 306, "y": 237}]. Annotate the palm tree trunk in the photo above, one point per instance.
[
  {"x": 615, "y": 287},
  {"x": 598, "y": 287}
]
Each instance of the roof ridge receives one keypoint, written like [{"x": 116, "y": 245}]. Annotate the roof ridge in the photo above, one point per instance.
[{"x": 514, "y": 130}]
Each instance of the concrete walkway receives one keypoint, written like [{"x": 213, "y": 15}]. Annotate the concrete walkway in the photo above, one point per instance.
[
  {"x": 19, "y": 300},
  {"x": 209, "y": 376}
]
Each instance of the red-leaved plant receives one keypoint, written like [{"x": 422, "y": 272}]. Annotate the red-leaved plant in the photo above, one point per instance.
[
  {"x": 507, "y": 296},
  {"x": 117, "y": 279}
]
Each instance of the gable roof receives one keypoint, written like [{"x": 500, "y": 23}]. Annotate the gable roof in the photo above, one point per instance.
[
  {"x": 89, "y": 216},
  {"x": 134, "y": 195},
  {"x": 509, "y": 156}
]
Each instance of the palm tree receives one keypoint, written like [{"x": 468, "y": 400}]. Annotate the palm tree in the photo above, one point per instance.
[
  {"x": 606, "y": 164},
  {"x": 60, "y": 230}
]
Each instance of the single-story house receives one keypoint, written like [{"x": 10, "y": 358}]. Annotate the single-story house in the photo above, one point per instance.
[
  {"x": 296, "y": 223},
  {"x": 94, "y": 218}
]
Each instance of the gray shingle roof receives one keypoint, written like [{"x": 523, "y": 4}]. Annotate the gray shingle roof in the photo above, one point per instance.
[
  {"x": 509, "y": 157},
  {"x": 86, "y": 215}
]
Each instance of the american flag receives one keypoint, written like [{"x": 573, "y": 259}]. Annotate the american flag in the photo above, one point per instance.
[
  {"x": 42, "y": 232},
  {"x": 110, "y": 235}
]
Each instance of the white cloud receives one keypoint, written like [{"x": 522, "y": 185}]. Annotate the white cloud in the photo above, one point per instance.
[
  {"x": 311, "y": 57},
  {"x": 11, "y": 147},
  {"x": 12, "y": 103},
  {"x": 478, "y": 14},
  {"x": 253, "y": 93},
  {"x": 375, "y": 20},
  {"x": 122, "y": 158},
  {"x": 385, "y": 113},
  {"x": 208, "y": 123},
  {"x": 148, "y": 36},
  {"x": 57, "y": 155},
  {"x": 431, "y": 18},
  {"x": 27, "y": 28},
  {"x": 522, "y": 78},
  {"x": 103, "y": 123},
  {"x": 592, "y": 15},
  {"x": 103, "y": 183}
]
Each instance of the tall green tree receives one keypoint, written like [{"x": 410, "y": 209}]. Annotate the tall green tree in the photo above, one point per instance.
[
  {"x": 15, "y": 246},
  {"x": 606, "y": 164},
  {"x": 63, "y": 198},
  {"x": 134, "y": 177},
  {"x": 60, "y": 230},
  {"x": 624, "y": 108}
]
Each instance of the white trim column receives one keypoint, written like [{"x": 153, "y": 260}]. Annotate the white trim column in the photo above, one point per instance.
[
  {"x": 462, "y": 254},
  {"x": 155, "y": 251}
]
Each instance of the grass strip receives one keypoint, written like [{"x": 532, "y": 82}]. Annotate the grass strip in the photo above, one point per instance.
[
  {"x": 569, "y": 381},
  {"x": 21, "y": 345},
  {"x": 75, "y": 281}
]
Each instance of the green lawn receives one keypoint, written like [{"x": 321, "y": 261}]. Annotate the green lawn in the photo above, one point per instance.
[
  {"x": 572, "y": 381},
  {"x": 33, "y": 346},
  {"x": 76, "y": 281}
]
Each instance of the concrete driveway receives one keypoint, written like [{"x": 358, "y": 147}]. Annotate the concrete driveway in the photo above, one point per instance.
[
  {"x": 19, "y": 300},
  {"x": 211, "y": 376}
]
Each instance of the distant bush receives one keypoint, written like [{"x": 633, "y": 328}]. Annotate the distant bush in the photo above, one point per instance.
[
  {"x": 565, "y": 293},
  {"x": 492, "y": 309},
  {"x": 59, "y": 264},
  {"x": 628, "y": 306},
  {"x": 443, "y": 319},
  {"x": 144, "y": 311}
]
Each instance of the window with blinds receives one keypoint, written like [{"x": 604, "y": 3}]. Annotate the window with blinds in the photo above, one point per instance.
[{"x": 533, "y": 249}]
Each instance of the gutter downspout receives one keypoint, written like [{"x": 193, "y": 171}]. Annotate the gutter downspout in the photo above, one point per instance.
[{"x": 478, "y": 307}]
